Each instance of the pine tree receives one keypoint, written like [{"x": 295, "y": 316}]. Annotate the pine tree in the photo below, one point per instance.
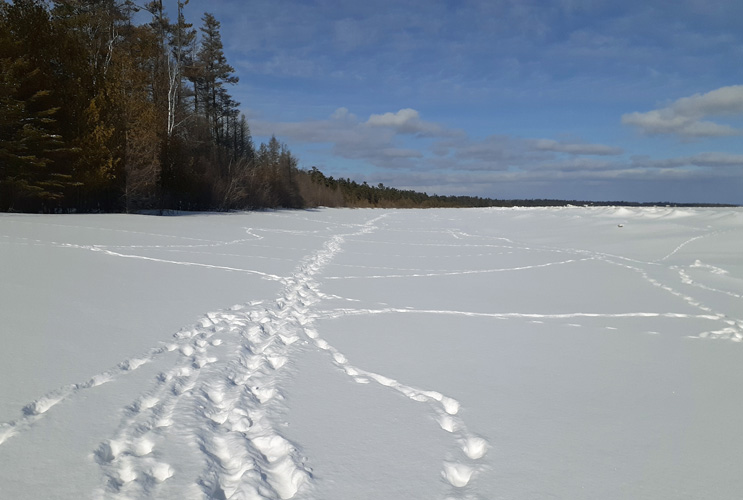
[
  {"x": 214, "y": 74},
  {"x": 30, "y": 179},
  {"x": 244, "y": 141},
  {"x": 27, "y": 142}
]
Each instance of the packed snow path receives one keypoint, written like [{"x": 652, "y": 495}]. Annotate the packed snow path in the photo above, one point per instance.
[{"x": 211, "y": 421}]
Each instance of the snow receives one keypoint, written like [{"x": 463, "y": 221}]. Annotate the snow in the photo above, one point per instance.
[{"x": 534, "y": 353}]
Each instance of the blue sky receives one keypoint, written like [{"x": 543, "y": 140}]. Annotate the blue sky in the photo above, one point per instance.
[{"x": 571, "y": 99}]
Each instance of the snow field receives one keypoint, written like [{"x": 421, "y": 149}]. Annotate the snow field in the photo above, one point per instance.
[{"x": 458, "y": 354}]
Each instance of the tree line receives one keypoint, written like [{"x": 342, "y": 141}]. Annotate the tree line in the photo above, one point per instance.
[
  {"x": 98, "y": 113},
  {"x": 320, "y": 189}
]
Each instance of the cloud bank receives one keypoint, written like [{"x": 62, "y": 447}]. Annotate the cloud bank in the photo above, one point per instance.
[
  {"x": 403, "y": 140},
  {"x": 686, "y": 116},
  {"x": 402, "y": 149}
]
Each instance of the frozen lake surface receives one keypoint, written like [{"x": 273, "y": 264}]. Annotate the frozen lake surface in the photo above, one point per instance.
[{"x": 562, "y": 353}]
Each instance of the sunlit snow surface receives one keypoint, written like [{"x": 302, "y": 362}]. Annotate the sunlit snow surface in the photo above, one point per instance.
[{"x": 574, "y": 353}]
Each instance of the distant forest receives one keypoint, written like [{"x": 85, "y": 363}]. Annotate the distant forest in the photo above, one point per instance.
[{"x": 98, "y": 114}]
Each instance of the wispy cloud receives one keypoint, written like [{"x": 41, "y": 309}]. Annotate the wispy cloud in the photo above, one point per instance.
[
  {"x": 576, "y": 148},
  {"x": 686, "y": 116},
  {"x": 710, "y": 159}
]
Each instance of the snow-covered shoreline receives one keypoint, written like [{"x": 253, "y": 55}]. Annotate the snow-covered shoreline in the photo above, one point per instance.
[{"x": 482, "y": 353}]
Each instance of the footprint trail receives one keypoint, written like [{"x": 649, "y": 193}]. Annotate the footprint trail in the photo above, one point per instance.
[{"x": 207, "y": 427}]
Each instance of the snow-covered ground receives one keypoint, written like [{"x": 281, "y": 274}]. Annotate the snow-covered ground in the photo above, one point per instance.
[{"x": 574, "y": 353}]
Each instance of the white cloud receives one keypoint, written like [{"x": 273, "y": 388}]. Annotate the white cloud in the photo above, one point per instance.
[
  {"x": 402, "y": 118},
  {"x": 723, "y": 101},
  {"x": 667, "y": 122},
  {"x": 684, "y": 117},
  {"x": 408, "y": 121},
  {"x": 343, "y": 114}
]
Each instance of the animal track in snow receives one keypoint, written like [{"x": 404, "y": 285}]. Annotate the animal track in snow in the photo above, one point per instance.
[{"x": 457, "y": 474}]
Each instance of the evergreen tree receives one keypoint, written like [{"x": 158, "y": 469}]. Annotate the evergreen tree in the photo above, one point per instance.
[
  {"x": 30, "y": 178},
  {"x": 244, "y": 141},
  {"x": 27, "y": 141},
  {"x": 214, "y": 74}
]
